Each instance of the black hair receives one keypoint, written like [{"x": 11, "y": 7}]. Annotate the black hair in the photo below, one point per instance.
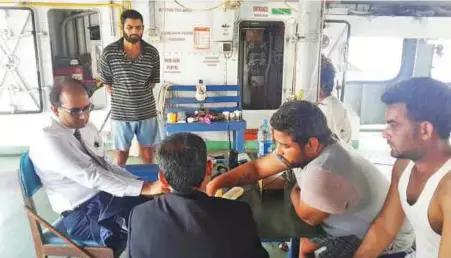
[
  {"x": 130, "y": 14},
  {"x": 183, "y": 160},
  {"x": 426, "y": 99},
  {"x": 327, "y": 79},
  {"x": 302, "y": 120},
  {"x": 64, "y": 84}
]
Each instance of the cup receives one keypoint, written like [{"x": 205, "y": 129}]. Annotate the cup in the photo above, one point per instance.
[
  {"x": 238, "y": 115},
  {"x": 172, "y": 118},
  {"x": 226, "y": 115}
]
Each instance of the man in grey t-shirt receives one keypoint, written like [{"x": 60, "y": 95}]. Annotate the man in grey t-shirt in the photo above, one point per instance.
[{"x": 337, "y": 188}]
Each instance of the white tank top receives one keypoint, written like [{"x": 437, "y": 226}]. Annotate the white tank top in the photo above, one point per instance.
[{"x": 427, "y": 240}]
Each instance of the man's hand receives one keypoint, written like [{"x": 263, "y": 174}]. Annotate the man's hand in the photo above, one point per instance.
[
  {"x": 211, "y": 188},
  {"x": 154, "y": 188},
  {"x": 247, "y": 173}
]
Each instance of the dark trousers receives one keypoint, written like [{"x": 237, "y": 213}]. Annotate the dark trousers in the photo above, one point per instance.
[
  {"x": 103, "y": 219},
  {"x": 294, "y": 251}
]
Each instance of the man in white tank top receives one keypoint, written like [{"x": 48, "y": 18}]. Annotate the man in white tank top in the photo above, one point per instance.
[{"x": 419, "y": 125}]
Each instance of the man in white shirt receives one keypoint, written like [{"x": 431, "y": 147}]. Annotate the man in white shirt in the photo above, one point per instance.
[
  {"x": 336, "y": 113},
  {"x": 93, "y": 195}
]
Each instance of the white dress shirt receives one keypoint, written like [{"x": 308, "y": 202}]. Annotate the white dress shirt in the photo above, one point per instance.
[
  {"x": 68, "y": 174},
  {"x": 337, "y": 118}
]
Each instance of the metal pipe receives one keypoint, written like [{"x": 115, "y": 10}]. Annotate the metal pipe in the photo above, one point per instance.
[
  {"x": 85, "y": 45},
  {"x": 63, "y": 28},
  {"x": 268, "y": 68},
  {"x": 152, "y": 15},
  {"x": 60, "y": 4},
  {"x": 309, "y": 31},
  {"x": 76, "y": 39},
  {"x": 345, "y": 57},
  {"x": 113, "y": 31}
]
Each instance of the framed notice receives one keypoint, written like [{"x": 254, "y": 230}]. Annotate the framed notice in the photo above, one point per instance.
[{"x": 202, "y": 38}]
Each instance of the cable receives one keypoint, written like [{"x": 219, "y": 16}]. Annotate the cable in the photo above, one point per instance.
[
  {"x": 289, "y": 6},
  {"x": 161, "y": 98},
  {"x": 199, "y": 10}
]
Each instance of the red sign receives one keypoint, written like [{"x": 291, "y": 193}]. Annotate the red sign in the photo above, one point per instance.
[
  {"x": 260, "y": 11},
  {"x": 172, "y": 65}
]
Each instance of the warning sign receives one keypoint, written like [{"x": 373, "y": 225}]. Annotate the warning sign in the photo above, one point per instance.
[
  {"x": 212, "y": 60},
  {"x": 281, "y": 11},
  {"x": 177, "y": 36},
  {"x": 260, "y": 11},
  {"x": 202, "y": 38},
  {"x": 172, "y": 65}
]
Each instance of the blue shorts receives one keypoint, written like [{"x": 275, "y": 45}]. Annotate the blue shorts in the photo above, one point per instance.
[{"x": 147, "y": 133}]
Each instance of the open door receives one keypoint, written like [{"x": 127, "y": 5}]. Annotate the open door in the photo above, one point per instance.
[
  {"x": 261, "y": 64},
  {"x": 335, "y": 44},
  {"x": 76, "y": 48},
  {"x": 20, "y": 83}
]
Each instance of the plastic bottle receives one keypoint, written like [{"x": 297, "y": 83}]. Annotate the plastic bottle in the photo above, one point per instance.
[
  {"x": 264, "y": 139},
  {"x": 201, "y": 91}
]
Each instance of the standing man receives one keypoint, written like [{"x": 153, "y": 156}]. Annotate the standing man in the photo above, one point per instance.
[
  {"x": 419, "y": 126},
  {"x": 130, "y": 68}
]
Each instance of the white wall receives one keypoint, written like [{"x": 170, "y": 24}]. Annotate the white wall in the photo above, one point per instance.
[{"x": 16, "y": 130}]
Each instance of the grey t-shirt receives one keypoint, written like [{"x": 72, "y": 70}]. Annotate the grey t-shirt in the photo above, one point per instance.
[{"x": 347, "y": 186}]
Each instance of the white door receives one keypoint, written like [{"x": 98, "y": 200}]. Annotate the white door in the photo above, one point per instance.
[{"x": 20, "y": 85}]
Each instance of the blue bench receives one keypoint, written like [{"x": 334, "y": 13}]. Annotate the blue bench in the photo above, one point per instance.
[{"x": 190, "y": 104}]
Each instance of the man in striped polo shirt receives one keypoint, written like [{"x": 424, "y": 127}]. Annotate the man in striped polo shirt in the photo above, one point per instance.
[{"x": 130, "y": 68}]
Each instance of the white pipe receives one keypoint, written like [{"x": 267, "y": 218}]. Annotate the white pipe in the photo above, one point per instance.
[
  {"x": 310, "y": 22},
  {"x": 63, "y": 27}
]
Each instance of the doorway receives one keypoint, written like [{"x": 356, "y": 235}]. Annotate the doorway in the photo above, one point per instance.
[
  {"x": 76, "y": 48},
  {"x": 260, "y": 68}
]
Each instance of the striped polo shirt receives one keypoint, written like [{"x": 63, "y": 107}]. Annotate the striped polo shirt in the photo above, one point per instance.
[{"x": 132, "y": 96}]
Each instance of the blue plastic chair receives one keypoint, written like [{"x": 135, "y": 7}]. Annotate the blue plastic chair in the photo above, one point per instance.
[{"x": 52, "y": 238}]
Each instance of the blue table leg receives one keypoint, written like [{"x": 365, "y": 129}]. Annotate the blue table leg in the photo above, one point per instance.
[
  {"x": 293, "y": 252},
  {"x": 239, "y": 139},
  {"x": 234, "y": 143}
]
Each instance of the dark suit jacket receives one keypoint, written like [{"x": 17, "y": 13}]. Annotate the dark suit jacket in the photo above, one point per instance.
[{"x": 193, "y": 226}]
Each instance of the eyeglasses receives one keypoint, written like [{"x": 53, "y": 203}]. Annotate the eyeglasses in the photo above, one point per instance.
[{"x": 78, "y": 111}]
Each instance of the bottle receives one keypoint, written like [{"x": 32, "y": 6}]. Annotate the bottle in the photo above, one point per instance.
[
  {"x": 201, "y": 91},
  {"x": 264, "y": 139}
]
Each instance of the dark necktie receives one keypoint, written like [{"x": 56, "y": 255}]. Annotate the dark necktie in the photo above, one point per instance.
[{"x": 100, "y": 160}]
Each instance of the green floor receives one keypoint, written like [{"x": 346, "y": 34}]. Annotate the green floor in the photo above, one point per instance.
[{"x": 15, "y": 234}]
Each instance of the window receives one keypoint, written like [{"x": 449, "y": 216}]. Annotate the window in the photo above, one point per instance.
[
  {"x": 374, "y": 58},
  {"x": 441, "y": 60},
  {"x": 20, "y": 85}
]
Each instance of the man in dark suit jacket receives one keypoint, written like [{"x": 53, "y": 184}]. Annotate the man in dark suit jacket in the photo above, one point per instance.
[{"x": 186, "y": 222}]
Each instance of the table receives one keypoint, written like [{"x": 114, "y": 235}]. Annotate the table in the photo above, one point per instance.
[{"x": 275, "y": 218}]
